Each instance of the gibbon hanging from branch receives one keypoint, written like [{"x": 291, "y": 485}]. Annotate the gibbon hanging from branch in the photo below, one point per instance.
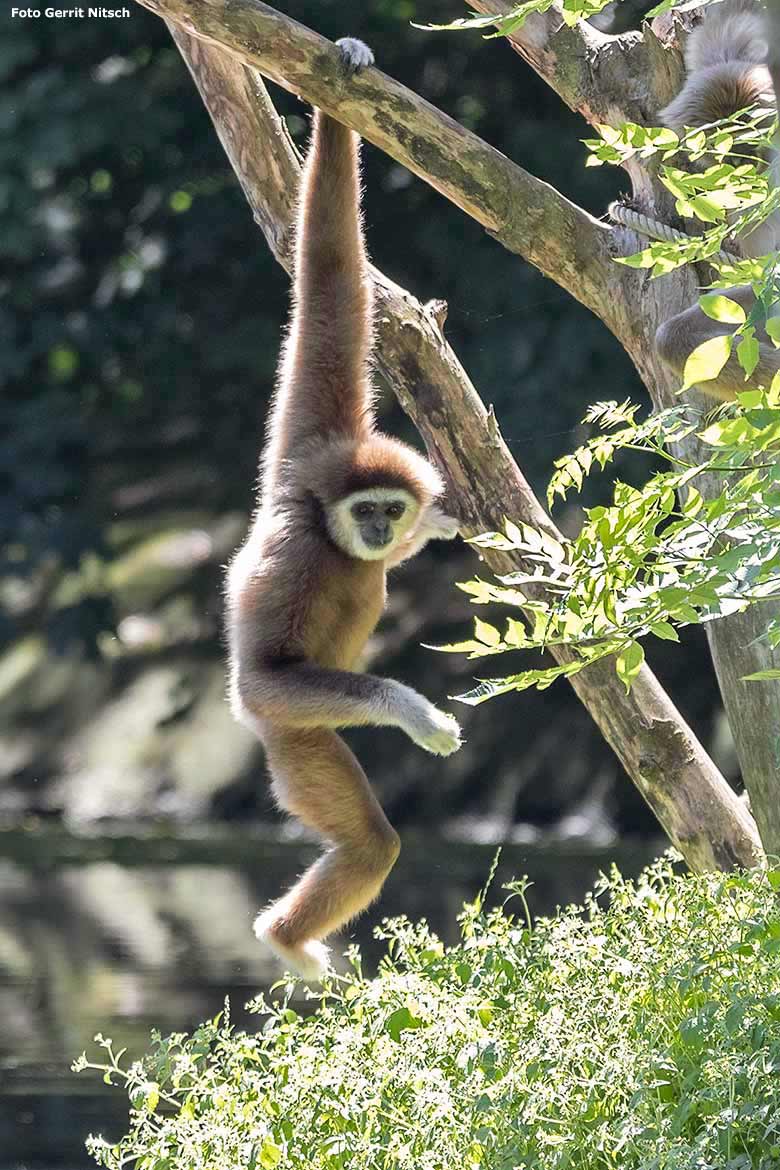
[{"x": 340, "y": 504}]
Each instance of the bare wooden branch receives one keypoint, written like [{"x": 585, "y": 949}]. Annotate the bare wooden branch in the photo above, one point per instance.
[
  {"x": 696, "y": 807},
  {"x": 527, "y": 216}
]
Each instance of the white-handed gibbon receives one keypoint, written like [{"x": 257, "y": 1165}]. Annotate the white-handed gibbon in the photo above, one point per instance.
[
  {"x": 340, "y": 503},
  {"x": 726, "y": 61}
]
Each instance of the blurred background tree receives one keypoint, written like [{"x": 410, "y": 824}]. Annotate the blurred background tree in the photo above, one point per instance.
[{"x": 140, "y": 316}]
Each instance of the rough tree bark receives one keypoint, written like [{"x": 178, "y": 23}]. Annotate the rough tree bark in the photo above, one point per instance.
[{"x": 690, "y": 798}]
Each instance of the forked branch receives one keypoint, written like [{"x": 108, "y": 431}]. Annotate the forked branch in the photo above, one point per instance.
[
  {"x": 608, "y": 79},
  {"x": 528, "y": 216}
]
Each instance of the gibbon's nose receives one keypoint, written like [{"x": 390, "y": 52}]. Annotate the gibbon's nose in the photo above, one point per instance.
[{"x": 380, "y": 534}]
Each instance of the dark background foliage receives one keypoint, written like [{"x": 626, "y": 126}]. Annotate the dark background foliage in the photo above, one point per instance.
[{"x": 140, "y": 316}]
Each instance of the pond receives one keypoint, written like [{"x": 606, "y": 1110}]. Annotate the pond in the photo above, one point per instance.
[{"x": 123, "y": 933}]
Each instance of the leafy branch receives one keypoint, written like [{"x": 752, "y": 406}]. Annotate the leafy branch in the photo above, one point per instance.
[{"x": 645, "y": 564}]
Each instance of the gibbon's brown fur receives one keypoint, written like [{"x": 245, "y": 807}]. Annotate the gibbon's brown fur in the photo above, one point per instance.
[
  {"x": 725, "y": 59},
  {"x": 340, "y": 503}
]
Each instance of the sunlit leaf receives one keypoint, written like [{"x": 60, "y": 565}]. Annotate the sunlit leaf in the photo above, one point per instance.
[
  {"x": 707, "y": 360},
  {"x": 486, "y": 633},
  {"x": 664, "y": 630},
  {"x": 722, "y": 308},
  {"x": 402, "y": 1020},
  {"x": 747, "y": 354},
  {"x": 772, "y": 327},
  {"x": 628, "y": 663}
]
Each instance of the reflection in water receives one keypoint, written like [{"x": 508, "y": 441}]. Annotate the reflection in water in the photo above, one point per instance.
[{"x": 122, "y": 935}]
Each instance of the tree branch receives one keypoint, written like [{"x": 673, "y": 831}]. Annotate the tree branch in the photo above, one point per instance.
[
  {"x": 607, "y": 79},
  {"x": 527, "y": 216},
  {"x": 696, "y": 807}
]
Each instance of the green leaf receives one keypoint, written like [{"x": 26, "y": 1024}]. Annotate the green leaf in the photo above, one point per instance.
[
  {"x": 707, "y": 360},
  {"x": 495, "y": 540},
  {"x": 628, "y": 664},
  {"x": 516, "y": 634},
  {"x": 486, "y": 633},
  {"x": 762, "y": 675},
  {"x": 270, "y": 1154},
  {"x": 400, "y": 1021},
  {"x": 772, "y": 326},
  {"x": 468, "y": 647},
  {"x": 706, "y": 209},
  {"x": 664, "y": 630},
  {"x": 747, "y": 354},
  {"x": 721, "y": 308}
]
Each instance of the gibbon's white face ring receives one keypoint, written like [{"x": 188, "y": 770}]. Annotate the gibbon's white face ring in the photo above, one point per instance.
[{"x": 369, "y": 524}]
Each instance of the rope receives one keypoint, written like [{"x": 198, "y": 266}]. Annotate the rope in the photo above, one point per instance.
[{"x": 655, "y": 230}]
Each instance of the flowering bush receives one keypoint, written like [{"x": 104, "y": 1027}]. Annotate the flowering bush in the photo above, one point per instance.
[{"x": 641, "y": 1031}]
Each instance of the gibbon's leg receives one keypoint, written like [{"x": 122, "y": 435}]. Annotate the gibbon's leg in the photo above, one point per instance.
[
  {"x": 726, "y": 71},
  {"x": 316, "y": 778}
]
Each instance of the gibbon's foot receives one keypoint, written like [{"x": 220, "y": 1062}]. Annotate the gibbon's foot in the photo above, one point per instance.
[
  {"x": 309, "y": 959},
  {"x": 355, "y": 54},
  {"x": 436, "y": 732}
]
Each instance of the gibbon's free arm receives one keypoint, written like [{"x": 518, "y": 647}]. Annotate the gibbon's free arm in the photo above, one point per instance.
[{"x": 303, "y": 694}]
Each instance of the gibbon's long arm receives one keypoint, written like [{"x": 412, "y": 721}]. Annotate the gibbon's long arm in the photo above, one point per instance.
[
  {"x": 302, "y": 694},
  {"x": 325, "y": 367}
]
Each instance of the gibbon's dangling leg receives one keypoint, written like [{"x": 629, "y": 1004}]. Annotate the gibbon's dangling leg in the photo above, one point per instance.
[
  {"x": 317, "y": 779},
  {"x": 726, "y": 59},
  {"x": 340, "y": 504}
]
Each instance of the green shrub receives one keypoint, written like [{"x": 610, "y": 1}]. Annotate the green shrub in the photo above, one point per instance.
[{"x": 644, "y": 1034}]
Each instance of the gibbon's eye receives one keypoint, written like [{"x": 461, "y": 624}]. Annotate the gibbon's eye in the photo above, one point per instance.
[
  {"x": 363, "y": 509},
  {"x": 395, "y": 510}
]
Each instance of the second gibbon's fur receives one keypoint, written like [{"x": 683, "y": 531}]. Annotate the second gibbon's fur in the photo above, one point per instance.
[
  {"x": 726, "y": 62},
  {"x": 340, "y": 504}
]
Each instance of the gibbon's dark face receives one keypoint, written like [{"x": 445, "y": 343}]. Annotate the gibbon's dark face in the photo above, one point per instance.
[
  {"x": 376, "y": 520},
  {"x": 369, "y": 524}
]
